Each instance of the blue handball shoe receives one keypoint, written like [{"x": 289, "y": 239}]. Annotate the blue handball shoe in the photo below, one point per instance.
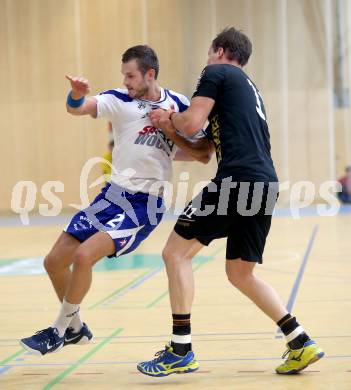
[
  {"x": 167, "y": 362},
  {"x": 45, "y": 341},
  {"x": 84, "y": 336}
]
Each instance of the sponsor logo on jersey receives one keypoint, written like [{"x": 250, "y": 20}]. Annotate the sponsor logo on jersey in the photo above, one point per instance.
[
  {"x": 214, "y": 123},
  {"x": 83, "y": 223},
  {"x": 141, "y": 105},
  {"x": 153, "y": 137}
]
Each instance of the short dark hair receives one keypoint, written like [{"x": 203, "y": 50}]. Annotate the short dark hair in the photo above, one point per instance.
[
  {"x": 145, "y": 57},
  {"x": 236, "y": 45}
]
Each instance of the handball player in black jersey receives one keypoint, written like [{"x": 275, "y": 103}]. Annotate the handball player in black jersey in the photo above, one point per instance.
[{"x": 238, "y": 204}]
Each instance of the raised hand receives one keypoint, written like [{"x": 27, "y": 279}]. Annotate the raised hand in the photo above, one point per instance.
[{"x": 80, "y": 86}]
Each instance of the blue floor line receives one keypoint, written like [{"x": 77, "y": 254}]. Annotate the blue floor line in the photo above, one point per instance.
[
  {"x": 135, "y": 285},
  {"x": 145, "y": 278},
  {"x": 299, "y": 276},
  {"x": 4, "y": 369},
  {"x": 297, "y": 283}
]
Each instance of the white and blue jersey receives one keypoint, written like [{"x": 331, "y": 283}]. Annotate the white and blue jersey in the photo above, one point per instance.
[
  {"x": 130, "y": 207},
  {"x": 142, "y": 156}
]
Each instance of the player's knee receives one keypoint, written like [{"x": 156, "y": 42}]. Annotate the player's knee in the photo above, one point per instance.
[
  {"x": 166, "y": 254},
  {"x": 51, "y": 263},
  {"x": 82, "y": 258},
  {"x": 170, "y": 256},
  {"x": 234, "y": 279},
  {"x": 239, "y": 277}
]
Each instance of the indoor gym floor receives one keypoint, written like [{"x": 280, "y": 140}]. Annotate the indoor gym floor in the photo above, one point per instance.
[{"x": 307, "y": 260}]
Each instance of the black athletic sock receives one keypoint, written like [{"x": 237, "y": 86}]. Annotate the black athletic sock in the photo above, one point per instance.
[
  {"x": 181, "y": 329},
  {"x": 284, "y": 319},
  {"x": 288, "y": 326}
]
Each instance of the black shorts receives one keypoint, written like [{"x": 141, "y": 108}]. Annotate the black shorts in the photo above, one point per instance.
[{"x": 241, "y": 211}]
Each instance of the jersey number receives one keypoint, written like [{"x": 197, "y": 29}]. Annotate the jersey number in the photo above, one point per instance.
[
  {"x": 112, "y": 222},
  {"x": 189, "y": 211},
  {"x": 258, "y": 101}
]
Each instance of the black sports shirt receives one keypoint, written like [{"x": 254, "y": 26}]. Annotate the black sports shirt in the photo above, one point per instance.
[{"x": 237, "y": 124}]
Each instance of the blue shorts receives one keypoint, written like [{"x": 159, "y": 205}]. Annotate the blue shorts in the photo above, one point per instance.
[{"x": 127, "y": 217}]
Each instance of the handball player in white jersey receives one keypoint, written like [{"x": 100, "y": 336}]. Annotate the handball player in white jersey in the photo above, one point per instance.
[{"x": 127, "y": 209}]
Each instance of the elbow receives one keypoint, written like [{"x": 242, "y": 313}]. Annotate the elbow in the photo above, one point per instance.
[
  {"x": 206, "y": 155},
  {"x": 205, "y": 159}
]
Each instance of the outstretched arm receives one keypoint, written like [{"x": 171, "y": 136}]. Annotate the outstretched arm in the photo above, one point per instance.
[{"x": 76, "y": 103}]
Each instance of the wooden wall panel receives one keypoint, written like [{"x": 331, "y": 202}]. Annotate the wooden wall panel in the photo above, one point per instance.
[
  {"x": 308, "y": 107},
  {"x": 166, "y": 34},
  {"x": 36, "y": 57},
  {"x": 42, "y": 40},
  {"x": 200, "y": 24}
]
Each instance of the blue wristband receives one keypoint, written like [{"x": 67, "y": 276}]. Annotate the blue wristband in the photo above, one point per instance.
[{"x": 74, "y": 103}]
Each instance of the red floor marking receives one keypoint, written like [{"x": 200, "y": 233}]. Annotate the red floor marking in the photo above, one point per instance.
[{"x": 88, "y": 373}]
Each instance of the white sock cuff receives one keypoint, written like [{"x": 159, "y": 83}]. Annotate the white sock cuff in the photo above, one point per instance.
[
  {"x": 69, "y": 305},
  {"x": 291, "y": 336},
  {"x": 70, "y": 308},
  {"x": 181, "y": 339}
]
